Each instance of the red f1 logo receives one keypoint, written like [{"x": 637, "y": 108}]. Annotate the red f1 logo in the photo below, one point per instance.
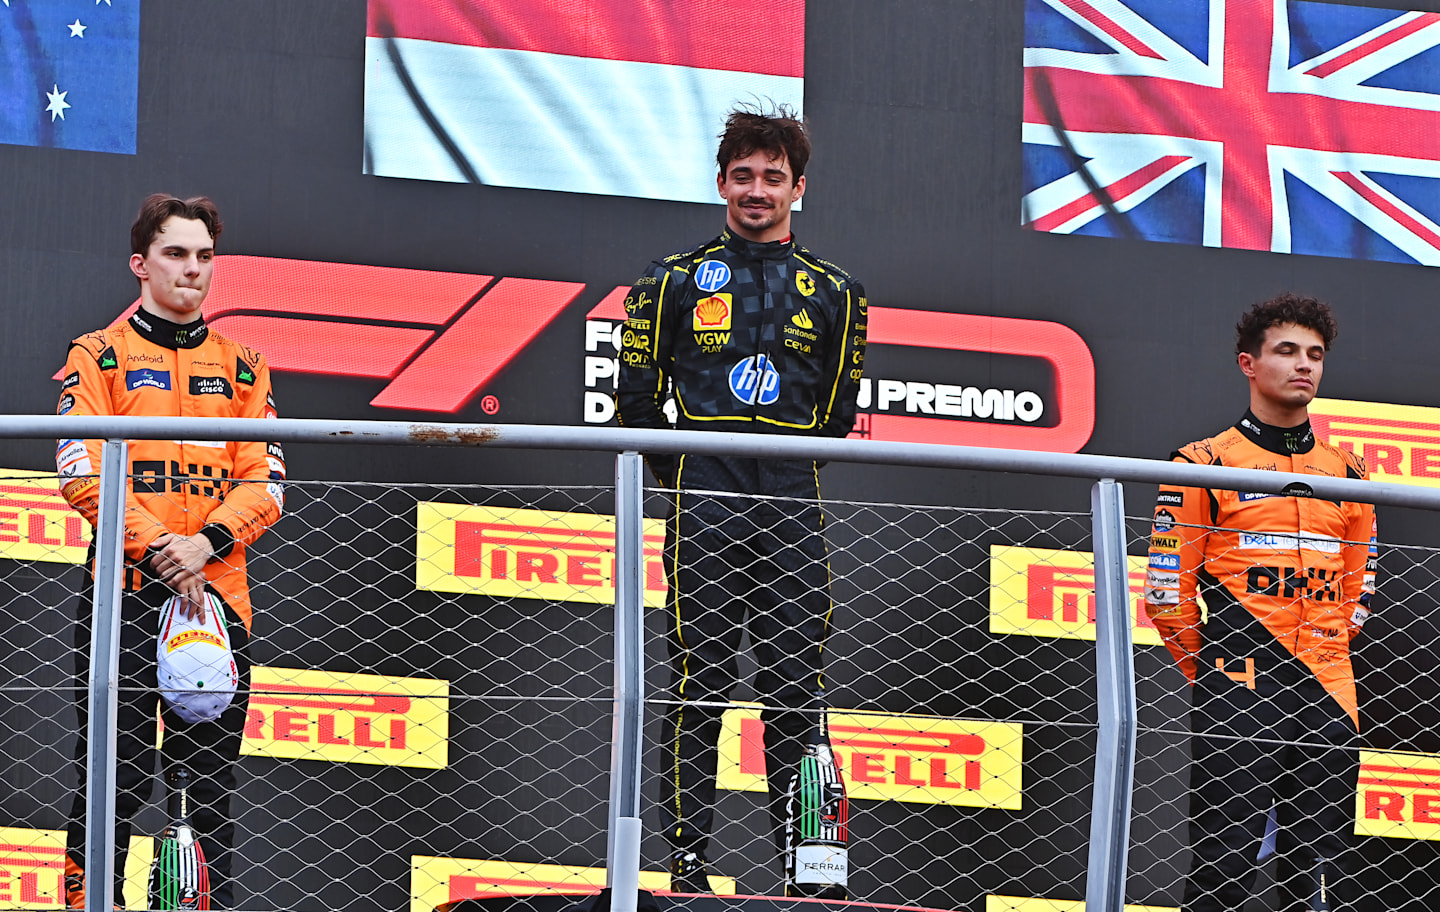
[{"x": 438, "y": 337}]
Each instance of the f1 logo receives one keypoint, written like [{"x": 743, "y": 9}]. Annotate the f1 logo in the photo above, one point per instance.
[{"x": 438, "y": 337}]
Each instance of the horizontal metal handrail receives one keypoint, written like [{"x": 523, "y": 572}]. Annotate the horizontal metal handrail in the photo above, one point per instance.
[{"x": 763, "y": 446}]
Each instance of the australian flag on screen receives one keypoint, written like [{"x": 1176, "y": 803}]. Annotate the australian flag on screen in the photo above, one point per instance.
[
  {"x": 69, "y": 73},
  {"x": 1282, "y": 125}
]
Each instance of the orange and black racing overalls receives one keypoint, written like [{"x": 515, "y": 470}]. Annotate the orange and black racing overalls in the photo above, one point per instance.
[{"x": 1287, "y": 583}]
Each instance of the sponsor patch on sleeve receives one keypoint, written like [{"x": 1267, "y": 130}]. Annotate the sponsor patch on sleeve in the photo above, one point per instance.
[
  {"x": 72, "y": 459},
  {"x": 1160, "y": 561},
  {"x": 1162, "y": 542},
  {"x": 1161, "y": 588},
  {"x": 1170, "y": 499}
]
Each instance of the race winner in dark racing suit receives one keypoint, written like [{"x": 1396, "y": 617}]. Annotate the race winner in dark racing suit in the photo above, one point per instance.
[
  {"x": 1287, "y": 582},
  {"x": 762, "y": 338}
]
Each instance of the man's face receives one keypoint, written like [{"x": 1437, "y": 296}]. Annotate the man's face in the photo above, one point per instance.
[
  {"x": 175, "y": 272},
  {"x": 1286, "y": 372},
  {"x": 758, "y": 192}
]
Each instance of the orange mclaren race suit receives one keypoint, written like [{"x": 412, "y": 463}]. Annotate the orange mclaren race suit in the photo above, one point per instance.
[
  {"x": 230, "y": 492},
  {"x": 1287, "y": 583},
  {"x": 757, "y": 338}
]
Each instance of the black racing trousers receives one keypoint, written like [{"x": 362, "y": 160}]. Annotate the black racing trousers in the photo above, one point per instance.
[
  {"x": 738, "y": 564},
  {"x": 1283, "y": 743},
  {"x": 207, "y": 749}
]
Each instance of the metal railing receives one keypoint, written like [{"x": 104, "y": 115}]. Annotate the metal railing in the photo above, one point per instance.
[{"x": 1115, "y": 698}]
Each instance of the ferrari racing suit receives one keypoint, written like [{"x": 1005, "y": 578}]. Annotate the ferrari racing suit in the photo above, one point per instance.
[
  {"x": 1287, "y": 583},
  {"x": 230, "y": 492},
  {"x": 762, "y": 338}
]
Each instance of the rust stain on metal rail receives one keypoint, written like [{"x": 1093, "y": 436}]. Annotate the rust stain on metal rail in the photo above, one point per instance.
[{"x": 431, "y": 433}]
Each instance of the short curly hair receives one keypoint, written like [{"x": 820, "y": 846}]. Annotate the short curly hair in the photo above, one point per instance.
[{"x": 1279, "y": 310}]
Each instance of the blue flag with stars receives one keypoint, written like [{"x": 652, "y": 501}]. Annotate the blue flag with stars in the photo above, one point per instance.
[{"x": 69, "y": 73}]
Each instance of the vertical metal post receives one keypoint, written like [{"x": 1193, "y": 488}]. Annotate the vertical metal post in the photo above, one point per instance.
[
  {"x": 1115, "y": 693},
  {"x": 622, "y": 865},
  {"x": 104, "y": 680}
]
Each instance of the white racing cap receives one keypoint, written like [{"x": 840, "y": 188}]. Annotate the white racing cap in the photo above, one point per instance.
[{"x": 197, "y": 669}]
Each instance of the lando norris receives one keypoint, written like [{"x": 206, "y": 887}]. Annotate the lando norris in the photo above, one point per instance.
[
  {"x": 748, "y": 332},
  {"x": 1288, "y": 584}
]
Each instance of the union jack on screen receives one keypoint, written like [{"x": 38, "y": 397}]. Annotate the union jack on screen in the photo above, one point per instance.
[{"x": 1284, "y": 125}]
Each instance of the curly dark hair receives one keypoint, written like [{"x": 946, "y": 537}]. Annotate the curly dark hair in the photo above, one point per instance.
[
  {"x": 776, "y": 132},
  {"x": 1279, "y": 310},
  {"x": 158, "y": 207}
]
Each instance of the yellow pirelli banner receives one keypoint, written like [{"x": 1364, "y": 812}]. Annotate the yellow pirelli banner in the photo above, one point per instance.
[
  {"x": 435, "y": 882},
  {"x": 1400, "y": 443},
  {"x": 1049, "y": 593},
  {"x": 539, "y": 554},
  {"x": 36, "y": 524},
  {"x": 1023, "y": 904},
  {"x": 1398, "y": 796},
  {"x": 297, "y": 714},
  {"x": 915, "y": 759},
  {"x": 32, "y": 869}
]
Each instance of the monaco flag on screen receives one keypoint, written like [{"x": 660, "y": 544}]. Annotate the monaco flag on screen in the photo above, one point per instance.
[
  {"x": 615, "y": 97},
  {"x": 1281, "y": 125}
]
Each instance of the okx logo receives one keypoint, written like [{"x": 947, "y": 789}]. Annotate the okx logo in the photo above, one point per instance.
[{"x": 437, "y": 337}]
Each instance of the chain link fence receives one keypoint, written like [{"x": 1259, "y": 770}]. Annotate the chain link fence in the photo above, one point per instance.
[
  {"x": 1307, "y": 810},
  {"x": 431, "y": 706}
]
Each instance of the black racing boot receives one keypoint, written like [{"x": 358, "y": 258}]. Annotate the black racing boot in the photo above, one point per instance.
[{"x": 689, "y": 872}]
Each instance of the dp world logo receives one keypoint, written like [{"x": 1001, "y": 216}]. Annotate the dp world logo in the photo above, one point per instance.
[{"x": 755, "y": 381}]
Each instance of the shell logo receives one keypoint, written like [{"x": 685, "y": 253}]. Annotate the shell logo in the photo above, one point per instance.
[{"x": 713, "y": 312}]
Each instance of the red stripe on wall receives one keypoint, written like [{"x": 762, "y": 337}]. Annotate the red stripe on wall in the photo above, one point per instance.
[{"x": 748, "y": 36}]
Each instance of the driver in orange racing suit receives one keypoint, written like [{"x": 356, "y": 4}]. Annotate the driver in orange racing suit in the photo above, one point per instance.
[
  {"x": 192, "y": 509},
  {"x": 1287, "y": 581}
]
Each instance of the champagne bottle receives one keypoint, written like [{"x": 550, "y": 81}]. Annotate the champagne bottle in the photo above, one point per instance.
[
  {"x": 817, "y": 826},
  {"x": 179, "y": 878}
]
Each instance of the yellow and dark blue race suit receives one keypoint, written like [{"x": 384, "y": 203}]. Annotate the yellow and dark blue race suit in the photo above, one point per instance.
[{"x": 756, "y": 338}]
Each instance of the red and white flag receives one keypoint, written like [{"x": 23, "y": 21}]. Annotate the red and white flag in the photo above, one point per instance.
[{"x": 615, "y": 97}]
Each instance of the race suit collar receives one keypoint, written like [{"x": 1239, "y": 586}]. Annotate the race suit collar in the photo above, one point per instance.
[
  {"x": 772, "y": 250},
  {"x": 1298, "y": 439},
  {"x": 166, "y": 334}
]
